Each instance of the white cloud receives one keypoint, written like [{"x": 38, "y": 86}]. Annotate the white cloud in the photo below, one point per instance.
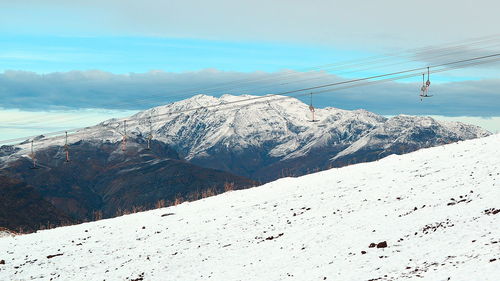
[
  {"x": 358, "y": 23},
  {"x": 491, "y": 124},
  {"x": 97, "y": 89},
  {"x": 19, "y": 123}
]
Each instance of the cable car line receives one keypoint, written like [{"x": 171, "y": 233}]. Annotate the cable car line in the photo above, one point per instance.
[
  {"x": 339, "y": 65},
  {"x": 260, "y": 97},
  {"x": 35, "y": 166},
  {"x": 311, "y": 88},
  {"x": 59, "y": 119}
]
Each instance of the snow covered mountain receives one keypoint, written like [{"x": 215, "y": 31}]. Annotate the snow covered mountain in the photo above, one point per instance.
[
  {"x": 428, "y": 215},
  {"x": 273, "y": 137}
]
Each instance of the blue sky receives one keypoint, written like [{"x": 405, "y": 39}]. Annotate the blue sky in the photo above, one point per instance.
[
  {"x": 133, "y": 54},
  {"x": 120, "y": 54},
  {"x": 92, "y": 60}
]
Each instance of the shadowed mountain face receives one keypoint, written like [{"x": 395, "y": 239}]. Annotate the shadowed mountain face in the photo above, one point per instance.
[
  {"x": 268, "y": 140},
  {"x": 23, "y": 208},
  {"x": 102, "y": 177}
]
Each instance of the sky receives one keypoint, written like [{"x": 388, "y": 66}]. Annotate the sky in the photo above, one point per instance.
[{"x": 92, "y": 60}]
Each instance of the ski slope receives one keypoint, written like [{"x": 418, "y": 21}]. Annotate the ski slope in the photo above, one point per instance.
[{"x": 437, "y": 209}]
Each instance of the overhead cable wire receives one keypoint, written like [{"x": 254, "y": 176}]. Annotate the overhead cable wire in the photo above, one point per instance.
[
  {"x": 279, "y": 98},
  {"x": 447, "y": 66},
  {"x": 428, "y": 57}
]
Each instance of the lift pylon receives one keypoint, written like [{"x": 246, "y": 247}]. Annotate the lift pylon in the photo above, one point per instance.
[
  {"x": 312, "y": 109},
  {"x": 150, "y": 136},
  {"x": 124, "y": 136},
  {"x": 66, "y": 147},
  {"x": 33, "y": 157}
]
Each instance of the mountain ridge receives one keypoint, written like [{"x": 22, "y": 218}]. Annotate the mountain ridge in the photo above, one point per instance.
[
  {"x": 278, "y": 131},
  {"x": 262, "y": 139}
]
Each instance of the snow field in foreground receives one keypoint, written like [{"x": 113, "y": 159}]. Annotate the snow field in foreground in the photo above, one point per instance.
[{"x": 436, "y": 208}]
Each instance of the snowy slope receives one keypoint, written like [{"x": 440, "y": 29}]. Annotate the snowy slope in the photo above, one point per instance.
[
  {"x": 411, "y": 130},
  {"x": 437, "y": 209}
]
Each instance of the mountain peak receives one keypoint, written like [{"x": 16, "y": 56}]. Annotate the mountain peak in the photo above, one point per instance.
[{"x": 263, "y": 135}]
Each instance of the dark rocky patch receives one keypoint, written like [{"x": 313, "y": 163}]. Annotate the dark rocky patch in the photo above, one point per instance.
[
  {"x": 492, "y": 211},
  {"x": 6, "y": 150},
  {"x": 382, "y": 244},
  {"x": 461, "y": 199},
  {"x": 56, "y": 255},
  {"x": 269, "y": 237},
  {"x": 140, "y": 278},
  {"x": 434, "y": 227}
]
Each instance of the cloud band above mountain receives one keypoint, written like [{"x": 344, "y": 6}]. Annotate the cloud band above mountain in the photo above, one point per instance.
[{"x": 97, "y": 89}]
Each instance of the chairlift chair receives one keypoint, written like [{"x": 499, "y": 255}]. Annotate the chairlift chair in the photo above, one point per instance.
[{"x": 424, "y": 90}]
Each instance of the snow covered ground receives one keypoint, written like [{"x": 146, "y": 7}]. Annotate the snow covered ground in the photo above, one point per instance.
[{"x": 437, "y": 210}]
